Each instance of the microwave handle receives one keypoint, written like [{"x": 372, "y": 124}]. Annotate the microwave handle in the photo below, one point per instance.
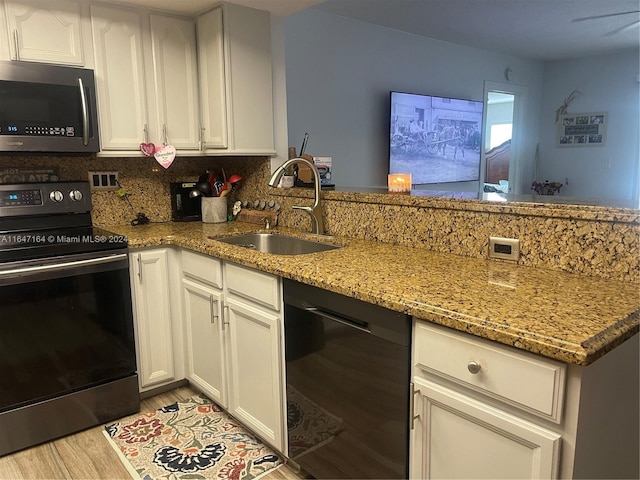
[{"x": 85, "y": 114}]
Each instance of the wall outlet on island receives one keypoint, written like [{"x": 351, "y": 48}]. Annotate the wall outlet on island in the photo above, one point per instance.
[{"x": 504, "y": 248}]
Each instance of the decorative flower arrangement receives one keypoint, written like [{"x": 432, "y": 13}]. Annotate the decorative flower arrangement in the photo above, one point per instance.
[{"x": 546, "y": 188}]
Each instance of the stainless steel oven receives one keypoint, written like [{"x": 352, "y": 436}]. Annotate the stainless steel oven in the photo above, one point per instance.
[{"x": 67, "y": 352}]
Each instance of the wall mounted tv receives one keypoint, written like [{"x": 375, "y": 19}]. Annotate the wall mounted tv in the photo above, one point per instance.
[{"x": 435, "y": 139}]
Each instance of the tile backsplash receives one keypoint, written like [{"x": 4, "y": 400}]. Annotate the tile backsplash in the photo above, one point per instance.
[{"x": 604, "y": 244}]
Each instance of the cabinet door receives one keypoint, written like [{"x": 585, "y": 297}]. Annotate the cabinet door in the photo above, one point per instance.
[
  {"x": 175, "y": 70},
  {"x": 249, "y": 79},
  {"x": 151, "y": 295},
  {"x": 256, "y": 382},
  {"x": 213, "y": 107},
  {"x": 456, "y": 436},
  {"x": 46, "y": 31},
  {"x": 119, "y": 70},
  {"x": 206, "y": 366}
]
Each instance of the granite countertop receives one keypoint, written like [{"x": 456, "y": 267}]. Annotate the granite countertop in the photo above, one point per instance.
[{"x": 572, "y": 318}]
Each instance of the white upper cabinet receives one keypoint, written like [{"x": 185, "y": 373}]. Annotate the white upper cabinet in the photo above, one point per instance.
[
  {"x": 213, "y": 106},
  {"x": 147, "y": 81},
  {"x": 175, "y": 81},
  {"x": 120, "y": 77},
  {"x": 48, "y": 31},
  {"x": 243, "y": 61}
]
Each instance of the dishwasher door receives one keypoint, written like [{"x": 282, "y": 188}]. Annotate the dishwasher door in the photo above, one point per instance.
[{"x": 347, "y": 368}]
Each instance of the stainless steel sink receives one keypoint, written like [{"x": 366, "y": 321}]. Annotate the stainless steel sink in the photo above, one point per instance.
[{"x": 277, "y": 244}]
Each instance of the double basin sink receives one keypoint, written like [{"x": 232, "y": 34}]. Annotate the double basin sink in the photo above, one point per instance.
[{"x": 277, "y": 244}]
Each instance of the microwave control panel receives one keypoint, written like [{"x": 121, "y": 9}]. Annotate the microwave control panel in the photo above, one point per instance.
[{"x": 37, "y": 131}]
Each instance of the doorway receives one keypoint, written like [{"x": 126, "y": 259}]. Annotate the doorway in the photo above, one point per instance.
[{"x": 503, "y": 123}]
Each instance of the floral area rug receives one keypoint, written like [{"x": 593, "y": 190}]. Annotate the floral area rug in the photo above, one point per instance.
[
  {"x": 309, "y": 426},
  {"x": 192, "y": 439}
]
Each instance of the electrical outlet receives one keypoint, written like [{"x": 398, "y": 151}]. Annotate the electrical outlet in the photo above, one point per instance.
[
  {"x": 103, "y": 180},
  {"x": 504, "y": 248}
]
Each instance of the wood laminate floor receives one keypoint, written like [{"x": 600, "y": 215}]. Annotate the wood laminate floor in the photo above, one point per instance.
[{"x": 88, "y": 455}]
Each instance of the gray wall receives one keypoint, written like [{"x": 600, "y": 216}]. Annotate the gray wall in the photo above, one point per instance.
[
  {"x": 608, "y": 83},
  {"x": 339, "y": 73}
]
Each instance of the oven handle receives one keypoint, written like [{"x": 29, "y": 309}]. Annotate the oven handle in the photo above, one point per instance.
[
  {"x": 57, "y": 267},
  {"x": 363, "y": 326},
  {"x": 85, "y": 114}
]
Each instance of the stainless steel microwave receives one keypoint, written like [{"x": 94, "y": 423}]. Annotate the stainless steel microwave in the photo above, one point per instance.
[{"x": 47, "y": 108}]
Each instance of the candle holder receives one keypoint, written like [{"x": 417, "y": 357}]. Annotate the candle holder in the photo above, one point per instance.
[{"x": 399, "y": 182}]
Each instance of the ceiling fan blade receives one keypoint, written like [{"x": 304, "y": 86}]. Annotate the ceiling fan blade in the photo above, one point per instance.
[
  {"x": 621, "y": 29},
  {"x": 582, "y": 19}
]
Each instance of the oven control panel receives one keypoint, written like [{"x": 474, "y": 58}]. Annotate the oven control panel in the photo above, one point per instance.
[
  {"x": 14, "y": 198},
  {"x": 44, "y": 198}
]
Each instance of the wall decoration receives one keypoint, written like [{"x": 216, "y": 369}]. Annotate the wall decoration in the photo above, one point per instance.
[{"x": 582, "y": 129}]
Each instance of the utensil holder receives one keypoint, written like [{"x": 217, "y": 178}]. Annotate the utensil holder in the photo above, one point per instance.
[{"x": 214, "y": 209}]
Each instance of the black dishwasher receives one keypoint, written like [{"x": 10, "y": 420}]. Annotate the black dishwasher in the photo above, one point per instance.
[{"x": 347, "y": 385}]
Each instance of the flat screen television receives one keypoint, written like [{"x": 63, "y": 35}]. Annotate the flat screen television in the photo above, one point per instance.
[{"x": 435, "y": 139}]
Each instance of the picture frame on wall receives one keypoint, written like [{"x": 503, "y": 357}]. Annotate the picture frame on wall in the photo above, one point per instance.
[{"x": 582, "y": 129}]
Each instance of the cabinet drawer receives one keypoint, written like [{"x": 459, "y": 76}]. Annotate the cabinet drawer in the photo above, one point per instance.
[
  {"x": 202, "y": 268},
  {"x": 259, "y": 287},
  {"x": 521, "y": 379}
]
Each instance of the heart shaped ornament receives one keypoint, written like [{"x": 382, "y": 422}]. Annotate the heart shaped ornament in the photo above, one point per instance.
[
  {"x": 147, "y": 148},
  {"x": 165, "y": 155}
]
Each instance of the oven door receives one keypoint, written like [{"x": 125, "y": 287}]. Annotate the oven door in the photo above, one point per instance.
[{"x": 66, "y": 324}]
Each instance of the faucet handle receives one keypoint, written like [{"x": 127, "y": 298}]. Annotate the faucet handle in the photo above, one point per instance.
[{"x": 267, "y": 222}]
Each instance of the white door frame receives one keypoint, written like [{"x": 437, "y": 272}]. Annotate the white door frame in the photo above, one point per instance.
[{"x": 520, "y": 97}]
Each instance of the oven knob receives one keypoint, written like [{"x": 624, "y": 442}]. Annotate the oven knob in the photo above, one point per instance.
[
  {"x": 76, "y": 195},
  {"x": 56, "y": 196}
]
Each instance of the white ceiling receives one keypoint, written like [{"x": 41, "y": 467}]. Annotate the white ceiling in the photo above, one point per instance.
[{"x": 539, "y": 29}]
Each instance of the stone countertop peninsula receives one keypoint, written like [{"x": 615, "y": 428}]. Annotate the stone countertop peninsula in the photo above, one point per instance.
[{"x": 572, "y": 318}]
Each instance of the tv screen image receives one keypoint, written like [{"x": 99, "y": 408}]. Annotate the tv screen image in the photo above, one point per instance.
[{"x": 435, "y": 139}]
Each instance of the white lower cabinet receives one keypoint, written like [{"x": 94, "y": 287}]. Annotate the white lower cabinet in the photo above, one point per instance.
[
  {"x": 486, "y": 410},
  {"x": 158, "y": 328},
  {"x": 233, "y": 324},
  {"x": 256, "y": 369},
  {"x": 456, "y": 436},
  {"x": 206, "y": 363}
]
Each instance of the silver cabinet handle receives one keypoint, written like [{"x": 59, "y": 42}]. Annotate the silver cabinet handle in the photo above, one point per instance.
[
  {"x": 225, "y": 310},
  {"x": 213, "y": 302},
  {"x": 16, "y": 44},
  {"x": 202, "y": 142},
  {"x": 85, "y": 114},
  {"x": 412, "y": 404},
  {"x": 165, "y": 138},
  {"x": 145, "y": 130},
  {"x": 140, "y": 267},
  {"x": 474, "y": 367}
]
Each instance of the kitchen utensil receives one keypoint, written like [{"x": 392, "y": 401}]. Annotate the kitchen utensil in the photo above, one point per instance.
[
  {"x": 204, "y": 188},
  {"x": 304, "y": 143}
]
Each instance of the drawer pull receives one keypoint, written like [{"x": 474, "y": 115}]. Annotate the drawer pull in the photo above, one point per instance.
[{"x": 474, "y": 367}]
